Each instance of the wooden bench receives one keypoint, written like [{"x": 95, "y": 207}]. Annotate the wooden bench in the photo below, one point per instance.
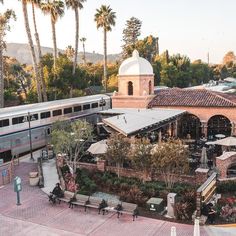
[
  {"x": 67, "y": 197},
  {"x": 79, "y": 200},
  {"x": 128, "y": 208},
  {"x": 112, "y": 205},
  {"x": 94, "y": 202}
]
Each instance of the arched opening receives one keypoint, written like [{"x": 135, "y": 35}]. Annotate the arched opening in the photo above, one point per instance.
[
  {"x": 189, "y": 126},
  {"x": 130, "y": 88},
  {"x": 218, "y": 125},
  {"x": 231, "y": 171},
  {"x": 150, "y": 87}
]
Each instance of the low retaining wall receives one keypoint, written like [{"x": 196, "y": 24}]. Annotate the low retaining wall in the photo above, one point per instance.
[
  {"x": 6, "y": 173},
  {"x": 131, "y": 173}
]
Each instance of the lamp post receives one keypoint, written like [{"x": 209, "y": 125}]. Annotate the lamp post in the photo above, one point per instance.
[{"x": 29, "y": 119}]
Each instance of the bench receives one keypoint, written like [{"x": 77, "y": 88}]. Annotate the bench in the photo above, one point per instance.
[
  {"x": 79, "y": 200},
  {"x": 67, "y": 197},
  {"x": 94, "y": 202},
  {"x": 112, "y": 206},
  {"x": 128, "y": 208}
]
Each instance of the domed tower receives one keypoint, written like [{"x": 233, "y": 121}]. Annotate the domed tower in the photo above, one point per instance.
[{"x": 135, "y": 83}]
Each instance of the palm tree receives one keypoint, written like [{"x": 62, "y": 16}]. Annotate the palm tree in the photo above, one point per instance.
[
  {"x": 44, "y": 92},
  {"x": 105, "y": 18},
  {"x": 83, "y": 41},
  {"x": 75, "y": 5},
  {"x": 55, "y": 8},
  {"x": 32, "y": 50}
]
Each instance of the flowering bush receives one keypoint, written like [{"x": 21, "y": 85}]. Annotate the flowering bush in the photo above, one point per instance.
[{"x": 227, "y": 209}]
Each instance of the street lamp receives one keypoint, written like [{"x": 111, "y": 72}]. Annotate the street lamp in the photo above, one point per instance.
[{"x": 28, "y": 119}]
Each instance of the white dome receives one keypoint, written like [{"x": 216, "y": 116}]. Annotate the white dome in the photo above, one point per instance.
[{"x": 135, "y": 65}]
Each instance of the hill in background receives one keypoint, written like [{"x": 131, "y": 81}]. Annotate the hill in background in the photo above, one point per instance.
[{"x": 22, "y": 54}]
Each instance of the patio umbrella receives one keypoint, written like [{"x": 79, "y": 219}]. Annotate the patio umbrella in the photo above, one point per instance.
[
  {"x": 173, "y": 231},
  {"x": 98, "y": 148},
  {"x": 196, "y": 229},
  {"x": 229, "y": 141},
  {"x": 204, "y": 159}
]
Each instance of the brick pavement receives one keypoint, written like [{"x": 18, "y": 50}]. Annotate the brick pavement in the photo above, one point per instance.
[{"x": 36, "y": 216}]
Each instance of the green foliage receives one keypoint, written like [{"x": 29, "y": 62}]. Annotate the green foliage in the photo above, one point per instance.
[
  {"x": 130, "y": 35},
  {"x": 170, "y": 158},
  {"x": 226, "y": 187},
  {"x": 118, "y": 149}
]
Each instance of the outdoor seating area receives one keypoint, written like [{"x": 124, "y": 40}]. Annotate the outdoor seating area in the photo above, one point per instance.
[{"x": 73, "y": 199}]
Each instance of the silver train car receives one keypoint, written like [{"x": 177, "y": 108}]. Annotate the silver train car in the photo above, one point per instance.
[{"x": 14, "y": 121}]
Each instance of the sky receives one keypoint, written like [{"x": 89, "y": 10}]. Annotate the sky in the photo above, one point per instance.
[{"x": 189, "y": 27}]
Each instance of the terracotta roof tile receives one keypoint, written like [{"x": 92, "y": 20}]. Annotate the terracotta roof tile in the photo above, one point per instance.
[{"x": 192, "y": 97}]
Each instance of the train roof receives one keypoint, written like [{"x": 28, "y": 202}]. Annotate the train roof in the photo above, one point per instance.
[{"x": 37, "y": 107}]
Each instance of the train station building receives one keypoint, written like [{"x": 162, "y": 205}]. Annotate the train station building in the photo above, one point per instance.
[{"x": 200, "y": 112}]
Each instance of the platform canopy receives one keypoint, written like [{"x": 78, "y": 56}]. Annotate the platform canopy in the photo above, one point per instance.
[{"x": 132, "y": 121}]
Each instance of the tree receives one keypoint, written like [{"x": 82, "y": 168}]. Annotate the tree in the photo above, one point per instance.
[
  {"x": 42, "y": 81},
  {"x": 70, "y": 52},
  {"x": 83, "y": 40},
  {"x": 71, "y": 138},
  {"x": 54, "y": 8},
  {"x": 4, "y": 26},
  {"x": 229, "y": 58},
  {"x": 105, "y": 18},
  {"x": 141, "y": 157},
  {"x": 130, "y": 35},
  {"x": 170, "y": 158},
  {"x": 75, "y": 5},
  {"x": 117, "y": 151},
  {"x": 32, "y": 50}
]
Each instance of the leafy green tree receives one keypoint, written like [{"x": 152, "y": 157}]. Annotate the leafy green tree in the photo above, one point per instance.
[
  {"x": 170, "y": 159},
  {"x": 105, "y": 18},
  {"x": 131, "y": 33},
  {"x": 72, "y": 139},
  {"x": 117, "y": 151},
  {"x": 54, "y": 8},
  {"x": 75, "y": 5},
  {"x": 4, "y": 26},
  {"x": 141, "y": 157}
]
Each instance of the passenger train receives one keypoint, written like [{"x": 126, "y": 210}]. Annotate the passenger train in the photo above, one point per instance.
[{"x": 15, "y": 124}]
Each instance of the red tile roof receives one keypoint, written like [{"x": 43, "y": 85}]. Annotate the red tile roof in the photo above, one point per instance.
[{"x": 192, "y": 97}]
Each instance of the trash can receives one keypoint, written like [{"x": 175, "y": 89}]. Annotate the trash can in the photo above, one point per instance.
[{"x": 33, "y": 178}]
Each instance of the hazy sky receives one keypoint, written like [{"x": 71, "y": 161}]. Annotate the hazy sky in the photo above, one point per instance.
[{"x": 191, "y": 27}]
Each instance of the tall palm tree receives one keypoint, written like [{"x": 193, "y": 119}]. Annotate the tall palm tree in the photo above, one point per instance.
[
  {"x": 32, "y": 50},
  {"x": 54, "y": 8},
  {"x": 75, "y": 5},
  {"x": 105, "y": 18},
  {"x": 36, "y": 3},
  {"x": 83, "y": 42}
]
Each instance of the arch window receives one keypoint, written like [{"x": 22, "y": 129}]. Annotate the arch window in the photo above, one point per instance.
[
  {"x": 150, "y": 87},
  {"x": 219, "y": 125},
  {"x": 130, "y": 88}
]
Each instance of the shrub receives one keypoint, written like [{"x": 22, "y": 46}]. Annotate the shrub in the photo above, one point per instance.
[{"x": 226, "y": 187}]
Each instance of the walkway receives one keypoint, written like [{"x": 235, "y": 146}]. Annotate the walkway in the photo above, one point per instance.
[{"x": 36, "y": 216}]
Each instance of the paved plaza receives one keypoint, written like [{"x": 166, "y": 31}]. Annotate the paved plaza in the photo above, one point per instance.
[{"x": 36, "y": 216}]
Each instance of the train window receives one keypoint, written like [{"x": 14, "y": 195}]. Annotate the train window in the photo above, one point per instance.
[
  {"x": 17, "y": 120},
  {"x": 56, "y": 112},
  {"x": 68, "y": 110},
  {"x": 45, "y": 115},
  {"x": 102, "y": 103},
  {"x": 34, "y": 117},
  {"x": 4, "y": 123},
  {"x": 94, "y": 105},
  {"x": 77, "y": 108},
  {"x": 86, "y": 106}
]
